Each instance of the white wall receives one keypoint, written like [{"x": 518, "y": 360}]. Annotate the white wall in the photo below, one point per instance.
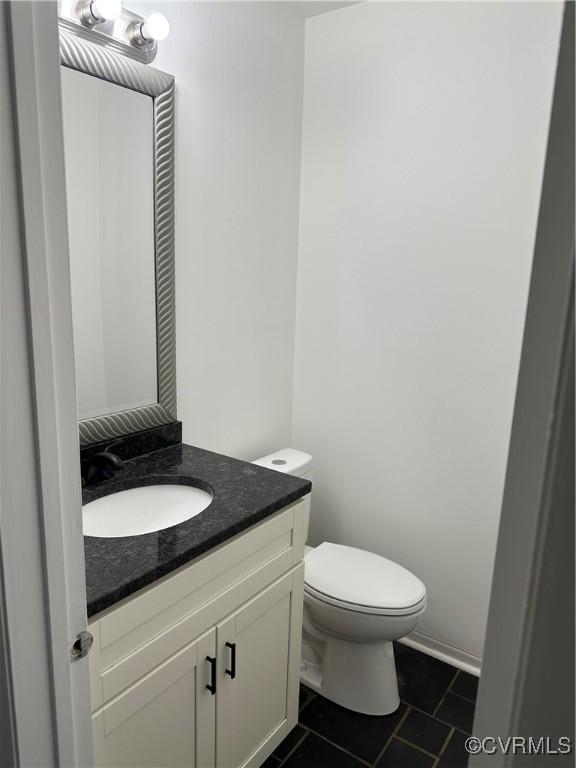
[
  {"x": 239, "y": 77},
  {"x": 423, "y": 146}
]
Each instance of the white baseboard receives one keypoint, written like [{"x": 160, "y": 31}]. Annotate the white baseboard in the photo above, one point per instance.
[{"x": 444, "y": 652}]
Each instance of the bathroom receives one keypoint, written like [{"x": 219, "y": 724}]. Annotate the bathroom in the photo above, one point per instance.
[{"x": 349, "y": 250}]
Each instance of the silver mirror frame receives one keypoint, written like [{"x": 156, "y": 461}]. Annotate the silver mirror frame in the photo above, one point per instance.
[{"x": 77, "y": 52}]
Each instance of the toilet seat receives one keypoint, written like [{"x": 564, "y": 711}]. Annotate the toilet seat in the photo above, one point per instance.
[
  {"x": 361, "y": 581},
  {"x": 357, "y": 608}
]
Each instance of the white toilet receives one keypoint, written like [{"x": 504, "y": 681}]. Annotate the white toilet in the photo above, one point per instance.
[{"x": 355, "y": 604}]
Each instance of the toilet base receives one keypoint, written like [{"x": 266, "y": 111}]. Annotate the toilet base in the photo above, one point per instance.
[{"x": 357, "y": 676}]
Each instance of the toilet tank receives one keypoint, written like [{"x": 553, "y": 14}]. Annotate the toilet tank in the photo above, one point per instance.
[{"x": 288, "y": 460}]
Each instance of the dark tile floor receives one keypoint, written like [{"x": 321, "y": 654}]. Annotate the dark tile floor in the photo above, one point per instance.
[{"x": 427, "y": 731}]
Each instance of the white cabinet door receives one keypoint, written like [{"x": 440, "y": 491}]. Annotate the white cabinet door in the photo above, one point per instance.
[
  {"x": 259, "y": 661},
  {"x": 167, "y": 718}
]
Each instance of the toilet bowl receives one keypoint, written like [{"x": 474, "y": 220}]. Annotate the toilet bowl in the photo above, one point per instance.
[{"x": 356, "y": 603}]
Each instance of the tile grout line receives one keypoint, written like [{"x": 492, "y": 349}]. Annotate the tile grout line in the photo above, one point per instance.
[
  {"x": 309, "y": 698},
  {"x": 435, "y": 717},
  {"x": 282, "y": 760},
  {"x": 451, "y": 728},
  {"x": 417, "y": 709},
  {"x": 415, "y": 746},
  {"x": 455, "y": 693},
  {"x": 470, "y": 701},
  {"x": 295, "y": 747},
  {"x": 456, "y": 728},
  {"x": 459, "y": 696},
  {"x": 394, "y": 732},
  {"x": 451, "y": 733},
  {"x": 449, "y": 686},
  {"x": 446, "y": 742},
  {"x": 445, "y": 722},
  {"x": 333, "y": 744}
]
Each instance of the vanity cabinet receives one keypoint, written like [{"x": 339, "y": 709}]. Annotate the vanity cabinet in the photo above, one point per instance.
[
  {"x": 202, "y": 668},
  {"x": 159, "y": 720},
  {"x": 260, "y": 644}
]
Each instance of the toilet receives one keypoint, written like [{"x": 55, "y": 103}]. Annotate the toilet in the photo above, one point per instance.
[{"x": 356, "y": 603}]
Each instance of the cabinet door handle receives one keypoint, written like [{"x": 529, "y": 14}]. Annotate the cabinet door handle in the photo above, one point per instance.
[
  {"x": 232, "y": 670},
  {"x": 212, "y": 684}
]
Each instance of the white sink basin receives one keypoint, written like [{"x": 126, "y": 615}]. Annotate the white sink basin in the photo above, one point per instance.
[{"x": 143, "y": 510}]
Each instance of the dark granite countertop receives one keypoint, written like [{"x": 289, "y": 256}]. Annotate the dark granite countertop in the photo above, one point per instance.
[{"x": 244, "y": 494}]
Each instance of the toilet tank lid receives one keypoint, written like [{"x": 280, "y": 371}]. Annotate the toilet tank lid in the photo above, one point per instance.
[{"x": 287, "y": 460}]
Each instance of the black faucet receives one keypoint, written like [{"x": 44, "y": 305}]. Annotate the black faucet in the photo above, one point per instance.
[{"x": 101, "y": 466}]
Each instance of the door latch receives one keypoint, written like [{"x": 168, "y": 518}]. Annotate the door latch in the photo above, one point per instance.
[{"x": 81, "y": 645}]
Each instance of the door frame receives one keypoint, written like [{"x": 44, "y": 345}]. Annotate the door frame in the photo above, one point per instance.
[
  {"x": 526, "y": 686},
  {"x": 41, "y": 542}
]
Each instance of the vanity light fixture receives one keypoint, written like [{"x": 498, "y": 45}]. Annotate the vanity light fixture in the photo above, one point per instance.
[
  {"x": 154, "y": 28},
  {"x": 93, "y": 12}
]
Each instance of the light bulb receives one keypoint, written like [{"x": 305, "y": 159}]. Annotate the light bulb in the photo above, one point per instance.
[
  {"x": 155, "y": 27},
  {"x": 106, "y": 10}
]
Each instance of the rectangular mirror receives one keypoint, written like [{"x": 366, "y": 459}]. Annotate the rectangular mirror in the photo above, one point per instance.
[
  {"x": 109, "y": 143},
  {"x": 118, "y": 144}
]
